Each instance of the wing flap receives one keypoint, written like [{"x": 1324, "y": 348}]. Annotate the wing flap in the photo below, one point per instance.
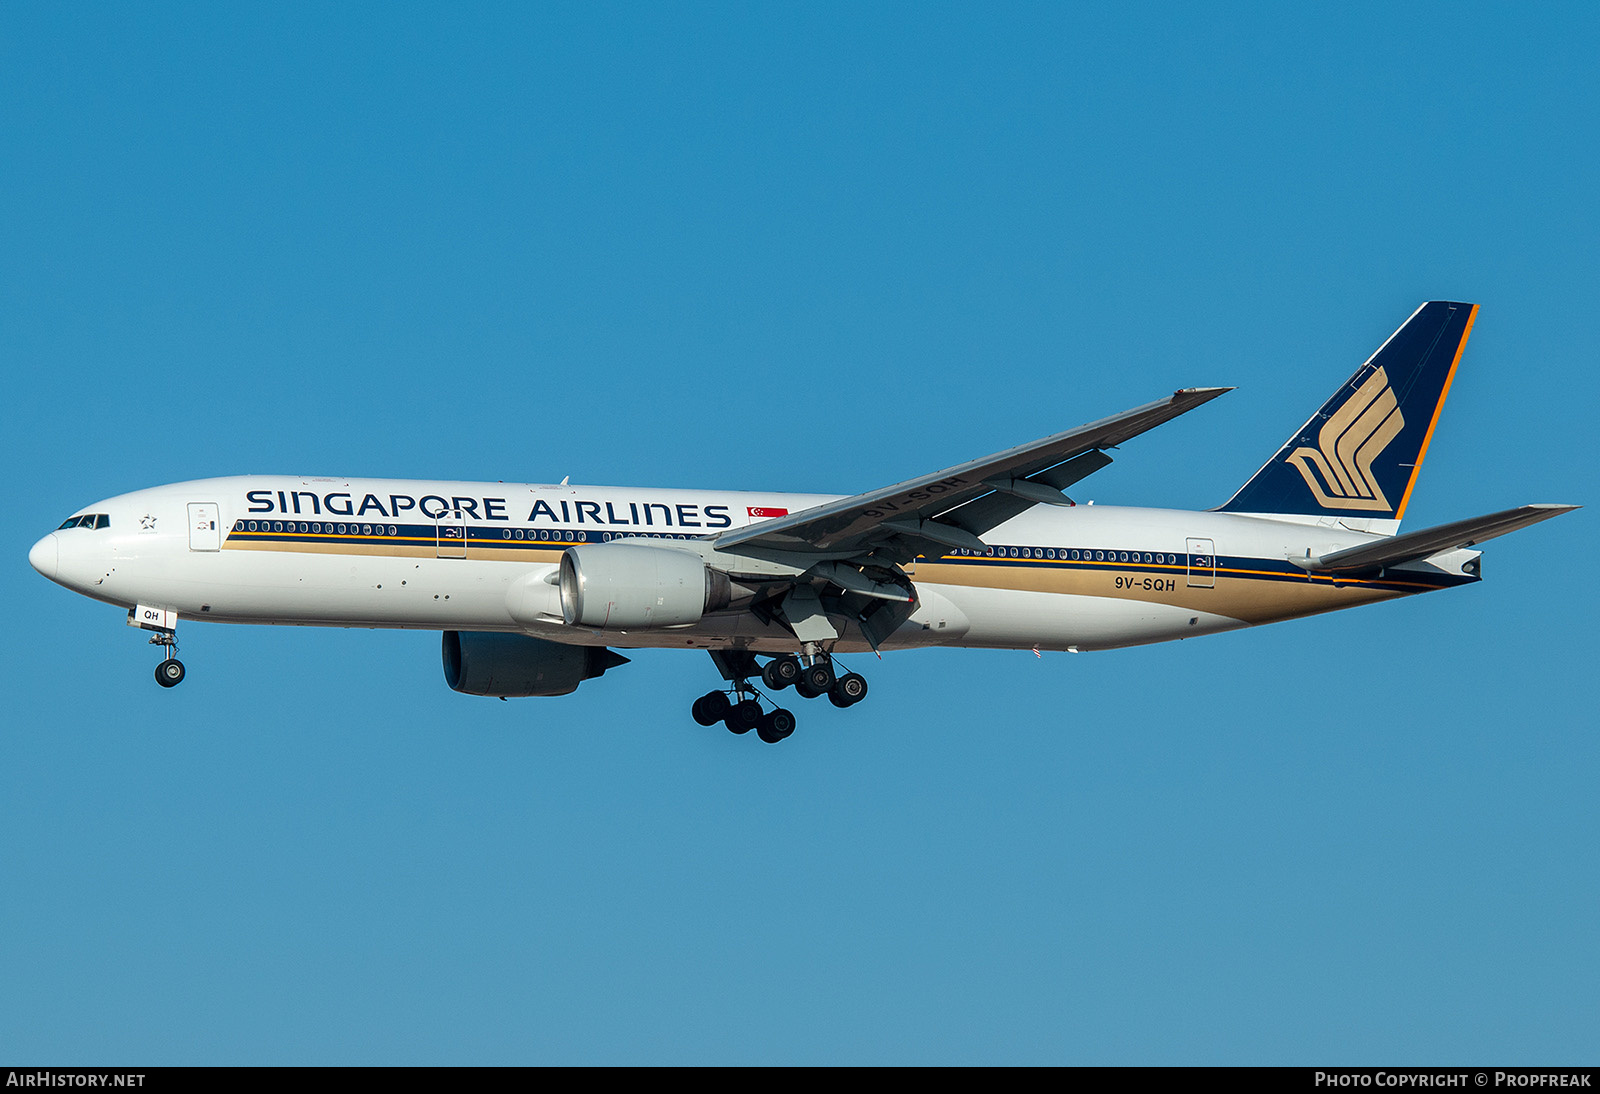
[{"x": 992, "y": 510}]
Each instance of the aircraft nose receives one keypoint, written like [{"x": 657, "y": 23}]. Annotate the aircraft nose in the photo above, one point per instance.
[{"x": 46, "y": 556}]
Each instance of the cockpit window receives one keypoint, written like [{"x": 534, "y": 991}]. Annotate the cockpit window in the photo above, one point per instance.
[{"x": 87, "y": 520}]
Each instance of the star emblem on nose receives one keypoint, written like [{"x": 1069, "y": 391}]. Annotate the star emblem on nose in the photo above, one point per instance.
[{"x": 147, "y": 522}]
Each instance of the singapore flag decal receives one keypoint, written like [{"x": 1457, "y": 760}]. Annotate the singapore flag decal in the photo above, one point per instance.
[{"x": 758, "y": 511}]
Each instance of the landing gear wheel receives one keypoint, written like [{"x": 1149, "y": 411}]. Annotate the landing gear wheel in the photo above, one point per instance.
[
  {"x": 169, "y": 674},
  {"x": 710, "y": 708},
  {"x": 744, "y": 716},
  {"x": 780, "y": 672},
  {"x": 818, "y": 677},
  {"x": 848, "y": 690},
  {"x": 776, "y": 726}
]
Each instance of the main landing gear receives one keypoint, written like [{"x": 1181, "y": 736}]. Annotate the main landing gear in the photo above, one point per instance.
[
  {"x": 743, "y": 716},
  {"x": 741, "y": 710},
  {"x": 815, "y": 680}
]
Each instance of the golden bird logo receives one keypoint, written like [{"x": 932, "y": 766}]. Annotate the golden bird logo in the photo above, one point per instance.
[{"x": 1339, "y": 470}]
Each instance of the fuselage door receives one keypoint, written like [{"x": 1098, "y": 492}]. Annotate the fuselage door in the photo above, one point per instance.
[
  {"x": 1202, "y": 564},
  {"x": 452, "y": 534},
  {"x": 205, "y": 529}
]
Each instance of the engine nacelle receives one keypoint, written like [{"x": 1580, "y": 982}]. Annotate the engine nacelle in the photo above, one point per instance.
[
  {"x": 503, "y": 665},
  {"x": 622, "y": 585}
]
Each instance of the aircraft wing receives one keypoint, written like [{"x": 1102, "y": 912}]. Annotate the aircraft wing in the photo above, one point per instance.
[
  {"x": 1410, "y": 546},
  {"x": 954, "y": 507}
]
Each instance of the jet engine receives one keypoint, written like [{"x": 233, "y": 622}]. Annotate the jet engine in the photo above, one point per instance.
[
  {"x": 621, "y": 585},
  {"x": 503, "y": 665}
]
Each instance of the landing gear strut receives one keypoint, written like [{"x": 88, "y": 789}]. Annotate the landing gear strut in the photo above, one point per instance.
[{"x": 169, "y": 674}]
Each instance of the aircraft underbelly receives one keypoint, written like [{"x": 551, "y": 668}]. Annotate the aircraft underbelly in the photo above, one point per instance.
[
  {"x": 1020, "y": 619},
  {"x": 293, "y": 588}
]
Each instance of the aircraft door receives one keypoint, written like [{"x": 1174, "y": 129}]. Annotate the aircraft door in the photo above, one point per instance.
[
  {"x": 205, "y": 529},
  {"x": 1202, "y": 564},
  {"x": 452, "y": 534}
]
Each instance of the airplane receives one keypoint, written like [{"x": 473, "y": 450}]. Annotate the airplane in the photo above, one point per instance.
[{"x": 535, "y": 586}]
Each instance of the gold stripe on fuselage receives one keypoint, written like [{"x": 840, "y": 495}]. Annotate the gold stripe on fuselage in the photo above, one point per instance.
[{"x": 1251, "y": 596}]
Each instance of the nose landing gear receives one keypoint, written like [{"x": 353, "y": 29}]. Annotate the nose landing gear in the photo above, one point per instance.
[{"x": 170, "y": 672}]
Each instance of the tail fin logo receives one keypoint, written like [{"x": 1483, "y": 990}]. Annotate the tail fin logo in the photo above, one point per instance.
[{"x": 1339, "y": 471}]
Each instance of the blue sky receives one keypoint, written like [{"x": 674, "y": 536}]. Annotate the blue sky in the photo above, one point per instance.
[{"x": 820, "y": 248}]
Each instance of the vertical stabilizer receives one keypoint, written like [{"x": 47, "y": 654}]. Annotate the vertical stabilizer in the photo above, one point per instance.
[{"x": 1358, "y": 456}]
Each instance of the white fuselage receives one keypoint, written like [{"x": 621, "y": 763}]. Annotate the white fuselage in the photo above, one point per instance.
[{"x": 476, "y": 557}]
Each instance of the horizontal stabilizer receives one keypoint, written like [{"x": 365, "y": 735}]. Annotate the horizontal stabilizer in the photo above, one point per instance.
[{"x": 1410, "y": 546}]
